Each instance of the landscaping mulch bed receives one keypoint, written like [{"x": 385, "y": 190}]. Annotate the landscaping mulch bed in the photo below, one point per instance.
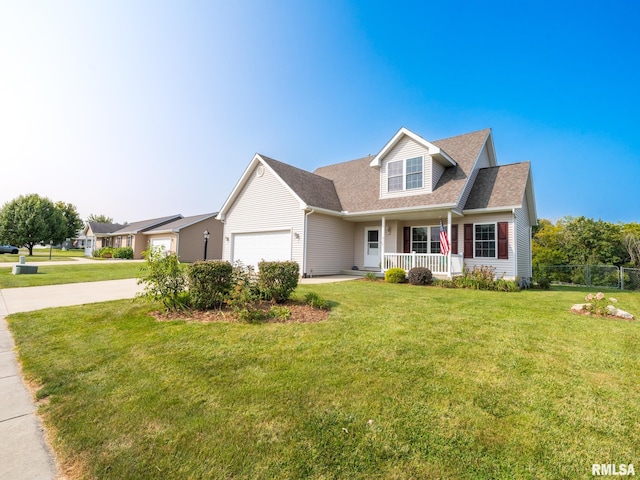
[{"x": 300, "y": 313}]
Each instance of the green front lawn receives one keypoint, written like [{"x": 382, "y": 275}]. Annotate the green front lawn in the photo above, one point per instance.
[
  {"x": 57, "y": 274},
  {"x": 42, "y": 255},
  {"x": 400, "y": 382}
]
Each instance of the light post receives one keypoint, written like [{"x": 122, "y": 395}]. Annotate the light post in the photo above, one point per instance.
[
  {"x": 50, "y": 248},
  {"x": 206, "y": 242}
]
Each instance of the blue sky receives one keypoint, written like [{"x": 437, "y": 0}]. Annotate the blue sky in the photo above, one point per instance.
[{"x": 140, "y": 109}]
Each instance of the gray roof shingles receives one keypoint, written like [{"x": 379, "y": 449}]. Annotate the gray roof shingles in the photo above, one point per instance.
[
  {"x": 501, "y": 186},
  {"x": 354, "y": 186}
]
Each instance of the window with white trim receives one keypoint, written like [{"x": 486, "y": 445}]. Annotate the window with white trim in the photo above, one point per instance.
[
  {"x": 414, "y": 173},
  {"x": 405, "y": 174},
  {"x": 484, "y": 239},
  {"x": 394, "y": 176},
  {"x": 425, "y": 239}
]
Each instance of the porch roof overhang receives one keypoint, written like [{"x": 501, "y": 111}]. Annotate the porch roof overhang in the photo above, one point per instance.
[{"x": 405, "y": 213}]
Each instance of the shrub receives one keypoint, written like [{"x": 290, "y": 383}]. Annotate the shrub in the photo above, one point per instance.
[
  {"x": 123, "y": 252},
  {"x": 395, "y": 275},
  {"x": 104, "y": 252},
  {"x": 420, "y": 276},
  {"x": 209, "y": 283},
  {"x": 280, "y": 312},
  {"x": 164, "y": 280},
  {"x": 598, "y": 303},
  {"x": 542, "y": 281},
  {"x": 482, "y": 278},
  {"x": 278, "y": 280},
  {"x": 316, "y": 301},
  {"x": 370, "y": 276}
]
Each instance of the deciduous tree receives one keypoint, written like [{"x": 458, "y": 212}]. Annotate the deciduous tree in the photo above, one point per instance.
[{"x": 31, "y": 219}]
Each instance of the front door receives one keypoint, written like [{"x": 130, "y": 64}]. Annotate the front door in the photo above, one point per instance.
[{"x": 372, "y": 247}]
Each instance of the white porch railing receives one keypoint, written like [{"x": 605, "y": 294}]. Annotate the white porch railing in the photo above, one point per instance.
[{"x": 437, "y": 263}]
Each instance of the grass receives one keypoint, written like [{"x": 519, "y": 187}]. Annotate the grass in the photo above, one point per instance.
[
  {"x": 420, "y": 383},
  {"x": 57, "y": 274},
  {"x": 42, "y": 255}
]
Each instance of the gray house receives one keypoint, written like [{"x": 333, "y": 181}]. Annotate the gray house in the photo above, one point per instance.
[{"x": 388, "y": 210}]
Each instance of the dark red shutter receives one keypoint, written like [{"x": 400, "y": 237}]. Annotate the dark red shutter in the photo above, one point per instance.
[
  {"x": 407, "y": 239},
  {"x": 468, "y": 240},
  {"x": 454, "y": 239},
  {"x": 503, "y": 240}
]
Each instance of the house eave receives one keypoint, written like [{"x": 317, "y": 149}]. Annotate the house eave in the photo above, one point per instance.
[
  {"x": 476, "y": 211},
  {"x": 436, "y": 152}
]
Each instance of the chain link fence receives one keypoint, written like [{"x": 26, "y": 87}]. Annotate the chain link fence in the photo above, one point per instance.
[{"x": 603, "y": 276}]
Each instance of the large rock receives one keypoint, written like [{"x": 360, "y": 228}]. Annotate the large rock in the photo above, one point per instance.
[{"x": 612, "y": 311}]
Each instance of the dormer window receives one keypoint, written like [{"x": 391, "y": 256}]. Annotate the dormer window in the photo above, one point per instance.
[{"x": 404, "y": 174}]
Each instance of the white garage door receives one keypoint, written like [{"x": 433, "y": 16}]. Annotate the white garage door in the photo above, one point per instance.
[
  {"x": 250, "y": 248},
  {"x": 161, "y": 242}
]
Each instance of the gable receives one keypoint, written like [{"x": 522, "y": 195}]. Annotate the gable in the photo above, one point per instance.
[
  {"x": 262, "y": 196},
  {"x": 406, "y": 156}
]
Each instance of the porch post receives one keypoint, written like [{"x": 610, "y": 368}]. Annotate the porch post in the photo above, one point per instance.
[
  {"x": 382, "y": 235},
  {"x": 449, "y": 240}
]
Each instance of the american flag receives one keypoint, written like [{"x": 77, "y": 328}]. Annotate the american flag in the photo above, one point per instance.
[{"x": 444, "y": 241}]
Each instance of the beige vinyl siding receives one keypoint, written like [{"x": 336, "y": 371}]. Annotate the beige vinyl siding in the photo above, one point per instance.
[
  {"x": 523, "y": 239},
  {"x": 191, "y": 241},
  {"x": 263, "y": 205},
  {"x": 404, "y": 149},
  {"x": 358, "y": 241},
  {"x": 329, "y": 245},
  {"x": 437, "y": 170},
  {"x": 503, "y": 267},
  {"x": 481, "y": 162}
]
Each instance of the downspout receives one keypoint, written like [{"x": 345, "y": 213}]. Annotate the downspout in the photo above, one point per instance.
[
  {"x": 382, "y": 243},
  {"x": 304, "y": 244},
  {"x": 449, "y": 240},
  {"x": 515, "y": 242}
]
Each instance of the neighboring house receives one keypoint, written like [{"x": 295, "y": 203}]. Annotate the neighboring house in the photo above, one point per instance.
[
  {"x": 185, "y": 237},
  {"x": 97, "y": 235},
  {"x": 128, "y": 235},
  {"x": 385, "y": 211}
]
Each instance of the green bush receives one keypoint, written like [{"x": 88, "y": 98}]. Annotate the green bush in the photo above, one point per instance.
[
  {"x": 104, "y": 252},
  {"x": 123, "y": 252},
  {"x": 316, "y": 301},
  {"x": 370, "y": 276},
  {"x": 395, "y": 275},
  {"x": 278, "y": 280},
  {"x": 420, "y": 276},
  {"x": 280, "y": 312},
  {"x": 210, "y": 282},
  {"x": 164, "y": 280},
  {"x": 542, "y": 281}
]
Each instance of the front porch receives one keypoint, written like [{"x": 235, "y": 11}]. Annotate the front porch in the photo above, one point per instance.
[
  {"x": 437, "y": 263},
  {"x": 440, "y": 265}
]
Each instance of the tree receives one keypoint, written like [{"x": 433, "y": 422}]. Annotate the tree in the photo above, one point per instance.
[
  {"x": 31, "y": 219},
  {"x": 99, "y": 218},
  {"x": 548, "y": 244},
  {"x": 72, "y": 221},
  {"x": 593, "y": 242}
]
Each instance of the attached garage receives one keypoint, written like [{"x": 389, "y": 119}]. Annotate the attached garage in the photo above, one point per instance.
[{"x": 251, "y": 248}]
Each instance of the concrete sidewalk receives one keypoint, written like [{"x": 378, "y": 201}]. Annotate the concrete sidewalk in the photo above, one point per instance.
[{"x": 24, "y": 454}]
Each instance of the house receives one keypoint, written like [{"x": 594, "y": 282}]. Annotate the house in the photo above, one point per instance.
[
  {"x": 186, "y": 237},
  {"x": 97, "y": 235},
  {"x": 177, "y": 234},
  {"x": 386, "y": 210}
]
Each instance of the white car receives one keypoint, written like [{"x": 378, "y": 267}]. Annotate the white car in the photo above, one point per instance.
[{"x": 9, "y": 249}]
